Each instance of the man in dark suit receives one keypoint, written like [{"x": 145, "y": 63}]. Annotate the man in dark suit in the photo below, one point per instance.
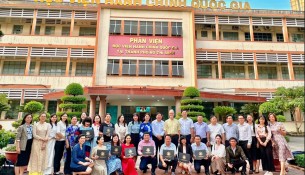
[{"x": 235, "y": 157}]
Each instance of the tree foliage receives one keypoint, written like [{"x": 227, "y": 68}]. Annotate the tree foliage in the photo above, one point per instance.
[
  {"x": 191, "y": 92},
  {"x": 268, "y": 107},
  {"x": 4, "y": 103},
  {"x": 33, "y": 107},
  {"x": 74, "y": 89},
  {"x": 250, "y": 108},
  {"x": 222, "y": 111}
]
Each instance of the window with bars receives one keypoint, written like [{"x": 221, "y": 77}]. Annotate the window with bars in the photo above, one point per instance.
[
  {"x": 113, "y": 67},
  {"x": 176, "y": 28},
  {"x": 204, "y": 34},
  {"x": 161, "y": 28},
  {"x": 267, "y": 72},
  {"x": 145, "y": 68},
  {"x": 32, "y": 68},
  {"x": 17, "y": 29},
  {"x": 230, "y": 35},
  {"x": 13, "y": 67},
  {"x": 251, "y": 72},
  {"x": 84, "y": 69},
  {"x": 285, "y": 73},
  {"x": 129, "y": 67},
  {"x": 161, "y": 68},
  {"x": 279, "y": 37},
  {"x": 177, "y": 68},
  {"x": 130, "y": 27},
  {"x": 65, "y": 31},
  {"x": 115, "y": 27},
  {"x": 87, "y": 31},
  {"x": 49, "y": 30},
  {"x": 204, "y": 70},
  {"x": 146, "y": 28},
  {"x": 298, "y": 73},
  {"x": 37, "y": 30},
  {"x": 52, "y": 68},
  {"x": 233, "y": 71},
  {"x": 259, "y": 36},
  {"x": 297, "y": 37}
]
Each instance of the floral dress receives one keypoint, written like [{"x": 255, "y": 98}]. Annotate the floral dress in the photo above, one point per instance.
[{"x": 113, "y": 163}]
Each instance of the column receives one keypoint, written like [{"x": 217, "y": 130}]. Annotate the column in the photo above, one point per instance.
[
  {"x": 34, "y": 22},
  {"x": 92, "y": 105},
  {"x": 46, "y": 105},
  {"x": 102, "y": 106},
  {"x": 68, "y": 62},
  {"x": 21, "y": 104},
  {"x": 251, "y": 29},
  {"x": 290, "y": 67},
  {"x": 178, "y": 104},
  {"x": 285, "y": 30},
  {"x": 72, "y": 23},
  {"x": 1, "y": 66},
  {"x": 219, "y": 66},
  {"x": 255, "y": 67},
  {"x": 57, "y": 105},
  {"x": 28, "y": 62},
  {"x": 217, "y": 28}
]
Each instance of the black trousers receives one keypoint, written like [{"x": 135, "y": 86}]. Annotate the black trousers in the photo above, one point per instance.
[
  {"x": 188, "y": 138},
  {"x": 59, "y": 152},
  {"x": 135, "y": 139},
  {"x": 175, "y": 139},
  {"x": 204, "y": 162},
  {"x": 204, "y": 140},
  {"x": 237, "y": 164},
  {"x": 148, "y": 160},
  {"x": 247, "y": 152},
  {"x": 266, "y": 155},
  {"x": 67, "y": 169},
  {"x": 172, "y": 163},
  {"x": 227, "y": 143}
]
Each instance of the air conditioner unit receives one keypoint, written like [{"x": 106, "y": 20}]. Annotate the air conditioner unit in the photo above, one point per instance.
[
  {"x": 267, "y": 28},
  {"x": 256, "y": 28},
  {"x": 301, "y": 29},
  {"x": 235, "y": 27}
]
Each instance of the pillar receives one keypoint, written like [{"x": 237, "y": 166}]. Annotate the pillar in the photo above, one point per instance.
[
  {"x": 92, "y": 105},
  {"x": 1, "y": 66},
  {"x": 28, "y": 62},
  {"x": 217, "y": 28},
  {"x": 251, "y": 29},
  {"x": 285, "y": 30},
  {"x": 57, "y": 106},
  {"x": 178, "y": 104},
  {"x": 21, "y": 104},
  {"x": 72, "y": 23},
  {"x": 46, "y": 106},
  {"x": 219, "y": 66},
  {"x": 102, "y": 106},
  {"x": 255, "y": 67},
  {"x": 290, "y": 67},
  {"x": 68, "y": 62},
  {"x": 34, "y": 22}
]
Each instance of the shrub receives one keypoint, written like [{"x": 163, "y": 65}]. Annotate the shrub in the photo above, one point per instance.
[
  {"x": 11, "y": 148},
  {"x": 73, "y": 99},
  {"x": 70, "y": 114},
  {"x": 191, "y": 101},
  {"x": 281, "y": 118},
  {"x": 76, "y": 107},
  {"x": 268, "y": 107},
  {"x": 35, "y": 117},
  {"x": 74, "y": 89},
  {"x": 192, "y": 108},
  {"x": 33, "y": 107},
  {"x": 300, "y": 160},
  {"x": 222, "y": 111},
  {"x": 287, "y": 138},
  {"x": 5, "y": 137},
  {"x": 191, "y": 92},
  {"x": 2, "y": 160}
]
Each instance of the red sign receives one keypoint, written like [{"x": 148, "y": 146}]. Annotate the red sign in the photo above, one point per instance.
[{"x": 145, "y": 46}]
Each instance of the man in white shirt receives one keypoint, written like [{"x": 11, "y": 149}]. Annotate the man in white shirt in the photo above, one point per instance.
[
  {"x": 245, "y": 139},
  {"x": 215, "y": 128},
  {"x": 187, "y": 127}
]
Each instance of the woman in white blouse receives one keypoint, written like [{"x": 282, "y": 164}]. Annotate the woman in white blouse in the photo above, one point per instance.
[
  {"x": 121, "y": 128},
  {"x": 218, "y": 156},
  {"x": 50, "y": 146}
]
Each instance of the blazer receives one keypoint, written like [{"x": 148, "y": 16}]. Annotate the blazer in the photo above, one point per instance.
[
  {"x": 239, "y": 154},
  {"x": 22, "y": 136},
  {"x": 188, "y": 151}
]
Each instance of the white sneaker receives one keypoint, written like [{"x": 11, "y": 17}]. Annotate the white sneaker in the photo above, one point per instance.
[
  {"x": 266, "y": 173},
  {"x": 270, "y": 173}
]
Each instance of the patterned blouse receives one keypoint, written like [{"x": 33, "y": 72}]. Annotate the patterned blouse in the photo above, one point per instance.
[
  {"x": 145, "y": 127},
  {"x": 70, "y": 134}
]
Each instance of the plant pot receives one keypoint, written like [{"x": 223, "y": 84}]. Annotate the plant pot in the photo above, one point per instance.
[{"x": 11, "y": 156}]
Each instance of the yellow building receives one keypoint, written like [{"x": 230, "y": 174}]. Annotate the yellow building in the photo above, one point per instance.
[
  {"x": 133, "y": 56},
  {"x": 297, "y": 5}
]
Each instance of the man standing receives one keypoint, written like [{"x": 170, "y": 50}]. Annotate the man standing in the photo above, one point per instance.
[
  {"x": 165, "y": 164},
  {"x": 187, "y": 127},
  {"x": 158, "y": 131},
  {"x": 145, "y": 160},
  {"x": 235, "y": 157},
  {"x": 245, "y": 139},
  {"x": 206, "y": 162},
  {"x": 215, "y": 128},
  {"x": 202, "y": 129},
  {"x": 231, "y": 129},
  {"x": 172, "y": 127}
]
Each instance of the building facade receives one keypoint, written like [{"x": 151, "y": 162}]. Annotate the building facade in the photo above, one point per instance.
[
  {"x": 130, "y": 58},
  {"x": 297, "y": 5}
]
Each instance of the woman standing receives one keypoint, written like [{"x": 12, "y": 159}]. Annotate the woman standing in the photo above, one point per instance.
[
  {"x": 146, "y": 126},
  {"x": 96, "y": 127},
  {"x": 263, "y": 135},
  {"x": 114, "y": 165},
  {"x": 218, "y": 161},
  {"x": 60, "y": 141},
  {"x": 82, "y": 118},
  {"x": 24, "y": 141},
  {"x": 134, "y": 130},
  {"x": 254, "y": 151},
  {"x": 121, "y": 128},
  {"x": 107, "y": 123},
  {"x": 51, "y": 144},
  {"x": 70, "y": 143},
  {"x": 86, "y": 126},
  {"x": 281, "y": 150},
  {"x": 185, "y": 148},
  {"x": 128, "y": 163},
  {"x": 38, "y": 158},
  {"x": 99, "y": 165}
]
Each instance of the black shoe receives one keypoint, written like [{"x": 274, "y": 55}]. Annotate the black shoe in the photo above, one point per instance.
[
  {"x": 243, "y": 173},
  {"x": 251, "y": 172},
  {"x": 145, "y": 171},
  {"x": 153, "y": 173},
  {"x": 207, "y": 173}
]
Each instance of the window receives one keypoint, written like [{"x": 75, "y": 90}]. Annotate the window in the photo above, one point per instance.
[
  {"x": 298, "y": 73},
  {"x": 146, "y": 28},
  {"x": 230, "y": 35},
  {"x": 297, "y": 37},
  {"x": 176, "y": 28},
  {"x": 251, "y": 72},
  {"x": 161, "y": 28},
  {"x": 279, "y": 37},
  {"x": 115, "y": 27},
  {"x": 130, "y": 27},
  {"x": 87, "y": 31},
  {"x": 113, "y": 67},
  {"x": 204, "y": 34},
  {"x": 145, "y": 68},
  {"x": 52, "y": 68},
  {"x": 285, "y": 73},
  {"x": 17, "y": 29},
  {"x": 267, "y": 72},
  {"x": 161, "y": 68},
  {"x": 37, "y": 30},
  {"x": 232, "y": 71},
  {"x": 50, "y": 30},
  {"x": 177, "y": 68},
  {"x": 214, "y": 35},
  {"x": 129, "y": 67},
  {"x": 13, "y": 67},
  {"x": 65, "y": 31},
  {"x": 84, "y": 69},
  {"x": 32, "y": 68},
  {"x": 259, "y": 37},
  {"x": 204, "y": 71}
]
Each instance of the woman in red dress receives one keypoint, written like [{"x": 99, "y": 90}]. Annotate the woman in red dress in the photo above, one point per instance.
[{"x": 128, "y": 163}]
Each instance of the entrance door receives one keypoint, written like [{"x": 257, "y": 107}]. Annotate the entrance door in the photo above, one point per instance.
[{"x": 113, "y": 111}]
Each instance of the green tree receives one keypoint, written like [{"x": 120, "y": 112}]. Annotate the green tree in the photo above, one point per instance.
[
  {"x": 223, "y": 111},
  {"x": 250, "y": 109},
  {"x": 1, "y": 34},
  {"x": 268, "y": 107},
  {"x": 4, "y": 106}
]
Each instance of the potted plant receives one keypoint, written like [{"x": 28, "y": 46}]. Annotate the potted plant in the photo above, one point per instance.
[
  {"x": 11, "y": 153},
  {"x": 6, "y": 137},
  {"x": 2, "y": 160}
]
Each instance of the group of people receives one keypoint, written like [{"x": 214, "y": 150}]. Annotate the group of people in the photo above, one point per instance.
[{"x": 227, "y": 147}]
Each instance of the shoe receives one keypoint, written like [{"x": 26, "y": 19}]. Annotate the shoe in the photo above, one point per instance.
[
  {"x": 270, "y": 173},
  {"x": 243, "y": 173},
  {"x": 153, "y": 173},
  {"x": 266, "y": 173},
  {"x": 166, "y": 171},
  {"x": 207, "y": 173},
  {"x": 251, "y": 172},
  {"x": 173, "y": 173},
  {"x": 256, "y": 171},
  {"x": 183, "y": 172}
]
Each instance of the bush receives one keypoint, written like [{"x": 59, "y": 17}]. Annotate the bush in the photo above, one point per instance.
[
  {"x": 76, "y": 107},
  {"x": 70, "y": 114},
  {"x": 191, "y": 101},
  {"x": 35, "y": 117},
  {"x": 73, "y": 99},
  {"x": 33, "y": 107},
  {"x": 287, "y": 138},
  {"x": 281, "y": 118},
  {"x": 74, "y": 89},
  {"x": 191, "y": 92},
  {"x": 192, "y": 108},
  {"x": 5, "y": 137},
  {"x": 268, "y": 107},
  {"x": 300, "y": 160},
  {"x": 2, "y": 160},
  {"x": 222, "y": 111},
  {"x": 11, "y": 148}
]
